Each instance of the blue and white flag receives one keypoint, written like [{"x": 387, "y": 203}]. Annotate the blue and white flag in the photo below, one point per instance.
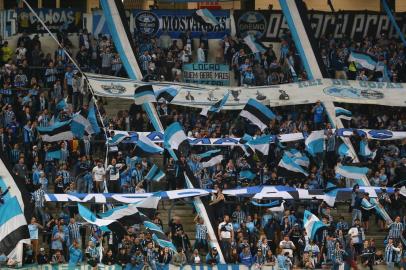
[
  {"x": 175, "y": 139},
  {"x": 92, "y": 118},
  {"x": 253, "y": 45},
  {"x": 365, "y": 151},
  {"x": 117, "y": 138},
  {"x": 15, "y": 211},
  {"x": 216, "y": 107},
  {"x": 107, "y": 225},
  {"x": 289, "y": 164},
  {"x": 351, "y": 172},
  {"x": 343, "y": 150},
  {"x": 204, "y": 16},
  {"x": 363, "y": 59},
  {"x": 145, "y": 147},
  {"x": 298, "y": 157},
  {"x": 144, "y": 94},
  {"x": 257, "y": 113},
  {"x": 342, "y": 113},
  {"x": 167, "y": 93},
  {"x": 312, "y": 224},
  {"x": 59, "y": 131},
  {"x": 158, "y": 235},
  {"x": 260, "y": 146},
  {"x": 315, "y": 143},
  {"x": 55, "y": 154},
  {"x": 155, "y": 174},
  {"x": 210, "y": 158},
  {"x": 81, "y": 124}
]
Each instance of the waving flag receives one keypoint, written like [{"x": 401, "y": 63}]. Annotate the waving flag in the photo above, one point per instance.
[
  {"x": 311, "y": 224},
  {"x": 204, "y": 16},
  {"x": 144, "y": 94},
  {"x": 166, "y": 93},
  {"x": 85, "y": 121},
  {"x": 289, "y": 164},
  {"x": 343, "y": 113},
  {"x": 298, "y": 157},
  {"x": 154, "y": 174},
  {"x": 216, "y": 107},
  {"x": 145, "y": 147},
  {"x": 257, "y": 113},
  {"x": 117, "y": 138},
  {"x": 260, "y": 146},
  {"x": 211, "y": 158},
  {"x": 175, "y": 139},
  {"x": 59, "y": 131},
  {"x": 107, "y": 225},
  {"x": 158, "y": 235},
  {"x": 61, "y": 105},
  {"x": 253, "y": 45},
  {"x": 315, "y": 143},
  {"x": 351, "y": 172},
  {"x": 91, "y": 117},
  {"x": 14, "y": 212},
  {"x": 363, "y": 59},
  {"x": 343, "y": 150},
  {"x": 365, "y": 204}
]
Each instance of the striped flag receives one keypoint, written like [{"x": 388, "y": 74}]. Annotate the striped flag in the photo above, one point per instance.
[
  {"x": 106, "y": 225},
  {"x": 216, "y": 107},
  {"x": 175, "y": 139},
  {"x": 92, "y": 118},
  {"x": 16, "y": 210},
  {"x": 166, "y": 93},
  {"x": 158, "y": 235},
  {"x": 59, "y": 131},
  {"x": 315, "y": 143},
  {"x": 253, "y": 45},
  {"x": 291, "y": 168},
  {"x": 144, "y": 94},
  {"x": 257, "y": 113},
  {"x": 342, "y": 113},
  {"x": 117, "y": 139},
  {"x": 363, "y": 59},
  {"x": 204, "y": 16},
  {"x": 155, "y": 174},
  {"x": 298, "y": 157},
  {"x": 211, "y": 158},
  {"x": 351, "y": 172},
  {"x": 145, "y": 147},
  {"x": 365, "y": 204},
  {"x": 260, "y": 146},
  {"x": 311, "y": 224}
]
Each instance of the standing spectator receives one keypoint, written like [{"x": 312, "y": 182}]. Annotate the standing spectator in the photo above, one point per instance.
[
  {"x": 68, "y": 82},
  {"x": 34, "y": 232},
  {"x": 75, "y": 254},
  {"x": 39, "y": 203},
  {"x": 77, "y": 90},
  {"x": 106, "y": 59},
  {"x": 357, "y": 235},
  {"x": 201, "y": 234},
  {"x": 226, "y": 236},
  {"x": 145, "y": 59},
  {"x": 99, "y": 175},
  {"x": 396, "y": 230},
  {"x": 390, "y": 254},
  {"x": 201, "y": 56}
]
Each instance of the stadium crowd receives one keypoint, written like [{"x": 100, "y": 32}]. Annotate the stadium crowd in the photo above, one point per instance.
[{"x": 32, "y": 84}]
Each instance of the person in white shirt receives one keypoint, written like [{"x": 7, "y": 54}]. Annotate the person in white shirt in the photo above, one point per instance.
[
  {"x": 201, "y": 57},
  {"x": 113, "y": 173},
  {"x": 287, "y": 246},
  {"x": 226, "y": 233},
  {"x": 99, "y": 174}
]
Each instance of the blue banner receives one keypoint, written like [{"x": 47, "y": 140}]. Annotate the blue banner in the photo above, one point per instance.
[
  {"x": 206, "y": 73},
  {"x": 175, "y": 22}
]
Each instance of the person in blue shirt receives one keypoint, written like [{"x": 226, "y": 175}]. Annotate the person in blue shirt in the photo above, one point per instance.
[
  {"x": 318, "y": 115},
  {"x": 284, "y": 262},
  {"x": 212, "y": 258},
  {"x": 75, "y": 254},
  {"x": 246, "y": 256}
]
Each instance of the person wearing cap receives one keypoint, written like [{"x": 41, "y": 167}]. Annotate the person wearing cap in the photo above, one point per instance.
[{"x": 213, "y": 258}]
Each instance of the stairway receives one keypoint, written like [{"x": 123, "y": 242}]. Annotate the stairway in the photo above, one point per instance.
[{"x": 373, "y": 233}]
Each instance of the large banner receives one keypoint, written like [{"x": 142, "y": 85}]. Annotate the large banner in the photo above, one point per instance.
[
  {"x": 175, "y": 22},
  {"x": 304, "y": 92},
  {"x": 8, "y": 23},
  {"x": 270, "y": 26},
  {"x": 56, "y": 19},
  {"x": 206, "y": 73}
]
